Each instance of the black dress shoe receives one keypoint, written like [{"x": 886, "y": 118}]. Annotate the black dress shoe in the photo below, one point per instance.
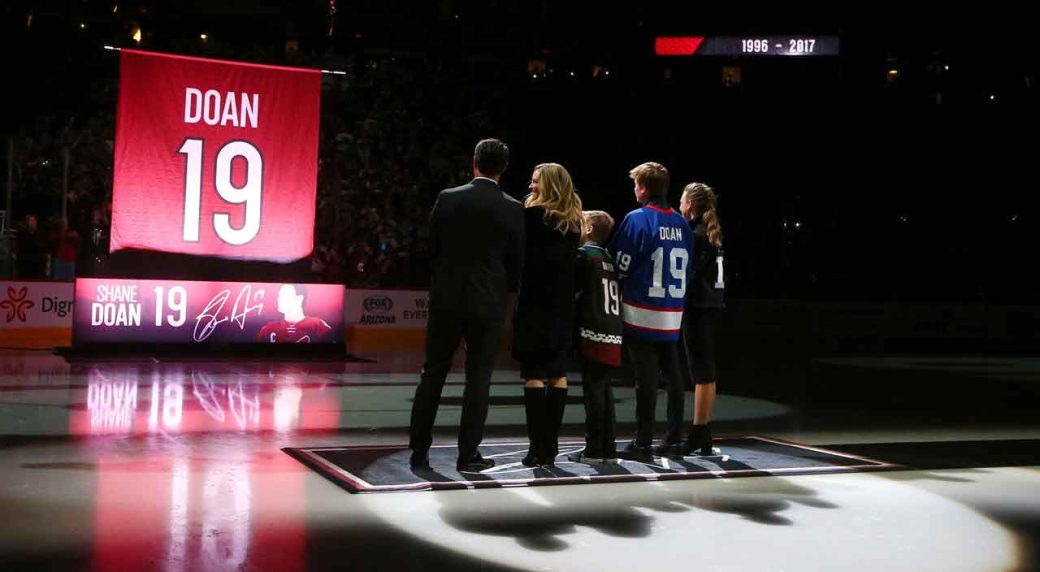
[
  {"x": 419, "y": 460},
  {"x": 670, "y": 450},
  {"x": 635, "y": 452},
  {"x": 474, "y": 465}
]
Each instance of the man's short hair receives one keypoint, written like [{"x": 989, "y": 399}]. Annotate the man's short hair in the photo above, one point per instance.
[
  {"x": 653, "y": 177},
  {"x": 492, "y": 156},
  {"x": 601, "y": 223}
]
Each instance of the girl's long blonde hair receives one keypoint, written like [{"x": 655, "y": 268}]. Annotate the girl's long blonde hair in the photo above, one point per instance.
[{"x": 704, "y": 200}]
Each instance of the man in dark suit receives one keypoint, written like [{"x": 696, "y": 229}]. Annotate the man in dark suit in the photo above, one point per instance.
[{"x": 476, "y": 247}]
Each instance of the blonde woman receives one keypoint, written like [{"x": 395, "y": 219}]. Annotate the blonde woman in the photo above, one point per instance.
[{"x": 545, "y": 308}]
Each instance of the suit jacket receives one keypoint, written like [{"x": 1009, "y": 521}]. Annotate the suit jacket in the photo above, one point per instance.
[{"x": 477, "y": 249}]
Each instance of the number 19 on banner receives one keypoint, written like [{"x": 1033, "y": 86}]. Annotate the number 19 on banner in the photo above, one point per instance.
[{"x": 249, "y": 193}]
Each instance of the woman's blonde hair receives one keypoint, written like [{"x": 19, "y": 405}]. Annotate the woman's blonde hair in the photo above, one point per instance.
[{"x": 557, "y": 196}]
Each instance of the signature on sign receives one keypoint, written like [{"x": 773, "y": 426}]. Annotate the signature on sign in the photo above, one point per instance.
[{"x": 212, "y": 315}]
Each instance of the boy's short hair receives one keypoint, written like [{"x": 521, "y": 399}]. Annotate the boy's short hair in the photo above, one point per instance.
[
  {"x": 653, "y": 177},
  {"x": 602, "y": 224}
]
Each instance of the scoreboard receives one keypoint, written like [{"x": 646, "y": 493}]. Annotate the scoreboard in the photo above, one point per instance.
[{"x": 800, "y": 46}]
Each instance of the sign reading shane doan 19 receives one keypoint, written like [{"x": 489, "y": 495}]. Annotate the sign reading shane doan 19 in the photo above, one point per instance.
[
  {"x": 215, "y": 158},
  {"x": 109, "y": 310}
]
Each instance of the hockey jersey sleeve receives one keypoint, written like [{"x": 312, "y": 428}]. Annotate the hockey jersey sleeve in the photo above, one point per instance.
[{"x": 630, "y": 242}]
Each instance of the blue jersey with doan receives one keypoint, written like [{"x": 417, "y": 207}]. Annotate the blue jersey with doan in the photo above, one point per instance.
[{"x": 652, "y": 247}]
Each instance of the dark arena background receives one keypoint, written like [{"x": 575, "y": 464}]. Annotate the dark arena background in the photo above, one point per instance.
[{"x": 878, "y": 379}]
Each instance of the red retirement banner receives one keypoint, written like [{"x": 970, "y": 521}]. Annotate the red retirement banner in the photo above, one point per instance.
[{"x": 215, "y": 158}]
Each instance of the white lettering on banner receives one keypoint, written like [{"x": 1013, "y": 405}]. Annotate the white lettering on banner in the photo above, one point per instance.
[
  {"x": 207, "y": 107},
  {"x": 112, "y": 314},
  {"x": 108, "y": 293}
]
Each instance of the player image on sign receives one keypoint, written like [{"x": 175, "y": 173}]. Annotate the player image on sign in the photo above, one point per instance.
[{"x": 295, "y": 327}]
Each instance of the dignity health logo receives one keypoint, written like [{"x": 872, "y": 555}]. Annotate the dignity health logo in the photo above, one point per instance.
[{"x": 17, "y": 303}]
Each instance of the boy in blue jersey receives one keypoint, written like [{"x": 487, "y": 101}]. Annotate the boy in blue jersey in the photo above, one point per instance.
[{"x": 653, "y": 247}]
